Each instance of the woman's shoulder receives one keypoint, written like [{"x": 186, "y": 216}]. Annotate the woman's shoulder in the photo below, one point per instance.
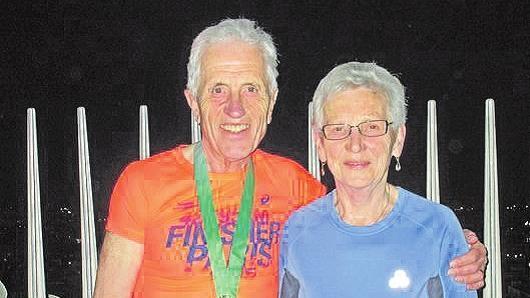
[
  {"x": 422, "y": 209},
  {"x": 418, "y": 201},
  {"x": 312, "y": 212}
]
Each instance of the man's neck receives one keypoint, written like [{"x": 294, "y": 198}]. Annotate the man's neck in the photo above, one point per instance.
[{"x": 214, "y": 163}]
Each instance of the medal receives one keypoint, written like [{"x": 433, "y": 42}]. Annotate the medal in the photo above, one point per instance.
[{"x": 226, "y": 277}]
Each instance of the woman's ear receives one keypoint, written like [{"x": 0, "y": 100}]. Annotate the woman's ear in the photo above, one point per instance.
[
  {"x": 319, "y": 141},
  {"x": 399, "y": 142}
]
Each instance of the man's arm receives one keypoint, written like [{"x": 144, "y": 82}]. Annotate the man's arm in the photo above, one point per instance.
[
  {"x": 470, "y": 268},
  {"x": 119, "y": 262}
]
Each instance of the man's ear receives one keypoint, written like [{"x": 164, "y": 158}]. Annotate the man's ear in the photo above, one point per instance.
[
  {"x": 271, "y": 106},
  {"x": 397, "y": 148},
  {"x": 193, "y": 104}
]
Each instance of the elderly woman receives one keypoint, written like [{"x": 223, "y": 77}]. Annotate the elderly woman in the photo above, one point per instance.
[{"x": 367, "y": 238}]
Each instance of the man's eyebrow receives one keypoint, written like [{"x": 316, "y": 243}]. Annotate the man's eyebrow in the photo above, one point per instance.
[
  {"x": 254, "y": 84},
  {"x": 216, "y": 84}
]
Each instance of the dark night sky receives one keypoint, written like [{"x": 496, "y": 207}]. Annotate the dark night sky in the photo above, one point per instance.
[{"x": 114, "y": 56}]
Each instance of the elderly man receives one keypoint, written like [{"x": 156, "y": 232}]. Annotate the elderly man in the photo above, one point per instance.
[{"x": 204, "y": 220}]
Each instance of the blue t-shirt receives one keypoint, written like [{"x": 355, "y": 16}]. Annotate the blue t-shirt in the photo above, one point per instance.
[{"x": 407, "y": 254}]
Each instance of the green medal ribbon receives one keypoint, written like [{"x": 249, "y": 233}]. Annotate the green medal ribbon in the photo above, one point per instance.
[{"x": 226, "y": 278}]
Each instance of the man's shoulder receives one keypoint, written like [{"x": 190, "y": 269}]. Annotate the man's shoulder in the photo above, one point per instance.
[
  {"x": 276, "y": 161},
  {"x": 168, "y": 162},
  {"x": 284, "y": 172},
  {"x": 286, "y": 177}
]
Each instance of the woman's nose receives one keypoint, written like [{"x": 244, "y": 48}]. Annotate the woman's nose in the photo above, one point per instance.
[{"x": 355, "y": 140}]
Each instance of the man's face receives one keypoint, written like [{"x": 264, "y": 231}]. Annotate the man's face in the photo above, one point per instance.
[{"x": 233, "y": 103}]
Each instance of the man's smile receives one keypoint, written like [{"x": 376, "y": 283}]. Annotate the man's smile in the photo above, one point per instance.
[{"x": 235, "y": 128}]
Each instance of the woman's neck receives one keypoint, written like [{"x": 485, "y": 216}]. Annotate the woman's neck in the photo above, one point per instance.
[{"x": 365, "y": 206}]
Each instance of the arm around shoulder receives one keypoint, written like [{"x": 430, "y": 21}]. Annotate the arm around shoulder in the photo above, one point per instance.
[
  {"x": 470, "y": 268},
  {"x": 119, "y": 262},
  {"x": 453, "y": 244}
]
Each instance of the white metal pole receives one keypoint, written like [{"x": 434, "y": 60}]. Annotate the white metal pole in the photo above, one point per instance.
[
  {"x": 312, "y": 162},
  {"x": 433, "y": 184},
  {"x": 3, "y": 290},
  {"x": 88, "y": 236},
  {"x": 493, "y": 288},
  {"x": 144, "y": 133},
  {"x": 36, "y": 277}
]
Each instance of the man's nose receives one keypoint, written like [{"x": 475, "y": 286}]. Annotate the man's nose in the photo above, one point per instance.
[{"x": 234, "y": 107}]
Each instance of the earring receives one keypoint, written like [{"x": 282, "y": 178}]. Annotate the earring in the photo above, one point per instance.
[
  {"x": 322, "y": 170},
  {"x": 398, "y": 165}
]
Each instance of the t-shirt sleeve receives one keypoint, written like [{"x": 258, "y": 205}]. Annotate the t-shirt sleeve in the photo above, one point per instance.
[
  {"x": 453, "y": 245},
  {"x": 312, "y": 189},
  {"x": 128, "y": 206},
  {"x": 289, "y": 285}
]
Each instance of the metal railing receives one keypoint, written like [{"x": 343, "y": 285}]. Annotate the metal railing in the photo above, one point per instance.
[
  {"x": 89, "y": 258},
  {"x": 36, "y": 276},
  {"x": 492, "y": 238}
]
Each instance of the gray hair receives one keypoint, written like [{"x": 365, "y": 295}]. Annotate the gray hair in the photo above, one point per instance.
[
  {"x": 357, "y": 74},
  {"x": 233, "y": 29}
]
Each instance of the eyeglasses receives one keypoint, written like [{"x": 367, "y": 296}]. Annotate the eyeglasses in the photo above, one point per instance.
[{"x": 372, "y": 128}]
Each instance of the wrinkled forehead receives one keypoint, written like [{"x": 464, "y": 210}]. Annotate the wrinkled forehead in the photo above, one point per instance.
[
  {"x": 355, "y": 101},
  {"x": 232, "y": 56},
  {"x": 349, "y": 86},
  {"x": 232, "y": 50},
  {"x": 345, "y": 89}
]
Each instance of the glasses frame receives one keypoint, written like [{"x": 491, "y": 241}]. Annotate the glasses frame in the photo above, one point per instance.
[{"x": 387, "y": 124}]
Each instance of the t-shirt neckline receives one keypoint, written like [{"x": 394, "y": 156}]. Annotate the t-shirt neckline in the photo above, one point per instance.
[
  {"x": 179, "y": 156},
  {"x": 377, "y": 227}
]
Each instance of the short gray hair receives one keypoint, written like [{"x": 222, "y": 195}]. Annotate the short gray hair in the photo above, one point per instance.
[
  {"x": 233, "y": 29},
  {"x": 357, "y": 74}
]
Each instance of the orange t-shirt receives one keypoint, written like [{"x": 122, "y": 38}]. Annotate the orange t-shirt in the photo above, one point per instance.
[{"x": 155, "y": 203}]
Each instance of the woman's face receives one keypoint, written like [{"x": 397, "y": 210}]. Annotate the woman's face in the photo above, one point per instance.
[{"x": 358, "y": 161}]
